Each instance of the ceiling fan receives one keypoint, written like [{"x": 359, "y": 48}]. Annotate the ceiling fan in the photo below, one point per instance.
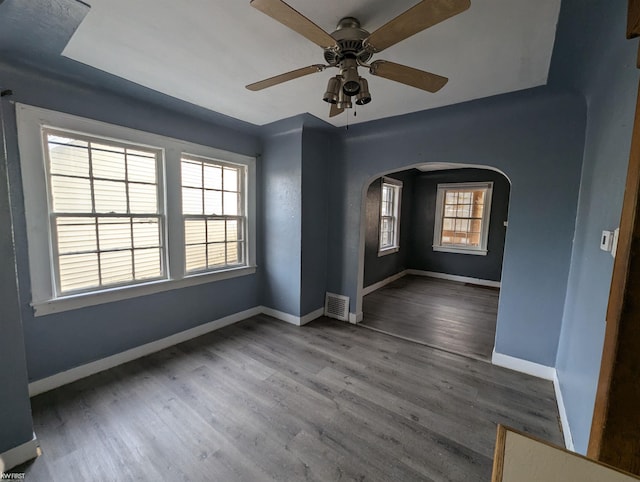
[{"x": 350, "y": 47}]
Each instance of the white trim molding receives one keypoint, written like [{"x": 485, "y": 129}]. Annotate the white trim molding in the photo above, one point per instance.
[
  {"x": 294, "y": 320},
  {"x": 546, "y": 373},
  {"x": 19, "y": 455},
  {"x": 523, "y": 366},
  {"x": 562, "y": 411},
  {"x": 355, "y": 318},
  {"x": 82, "y": 371},
  {"x": 453, "y": 277},
  {"x": 376, "y": 286}
]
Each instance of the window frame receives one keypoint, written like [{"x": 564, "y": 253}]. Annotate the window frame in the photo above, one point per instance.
[
  {"x": 482, "y": 250},
  {"x": 53, "y": 216},
  {"x": 242, "y": 171},
  {"x": 30, "y": 122},
  {"x": 396, "y": 185}
]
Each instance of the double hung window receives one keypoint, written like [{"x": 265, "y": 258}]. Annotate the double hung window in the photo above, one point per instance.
[
  {"x": 462, "y": 218},
  {"x": 113, "y": 213},
  {"x": 391, "y": 193}
]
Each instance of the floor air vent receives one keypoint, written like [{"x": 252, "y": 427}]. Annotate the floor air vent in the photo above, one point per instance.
[{"x": 336, "y": 306}]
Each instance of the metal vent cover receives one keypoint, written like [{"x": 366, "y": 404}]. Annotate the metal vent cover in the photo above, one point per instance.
[{"x": 336, "y": 306}]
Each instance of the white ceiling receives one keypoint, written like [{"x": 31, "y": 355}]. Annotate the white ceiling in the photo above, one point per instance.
[{"x": 206, "y": 51}]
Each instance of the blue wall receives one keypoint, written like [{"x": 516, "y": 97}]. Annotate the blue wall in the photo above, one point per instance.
[
  {"x": 62, "y": 341},
  {"x": 378, "y": 268},
  {"x": 536, "y": 138},
  {"x": 281, "y": 213},
  {"x": 318, "y": 152},
  {"x": 15, "y": 412},
  {"x": 602, "y": 66},
  {"x": 424, "y": 258}
]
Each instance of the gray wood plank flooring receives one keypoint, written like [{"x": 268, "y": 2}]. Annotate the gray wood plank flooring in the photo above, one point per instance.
[
  {"x": 264, "y": 400},
  {"x": 443, "y": 314}
]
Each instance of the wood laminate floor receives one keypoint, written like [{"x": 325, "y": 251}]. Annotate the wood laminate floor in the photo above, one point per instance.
[
  {"x": 264, "y": 400},
  {"x": 452, "y": 316}
]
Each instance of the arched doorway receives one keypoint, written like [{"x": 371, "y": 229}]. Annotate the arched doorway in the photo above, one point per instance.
[{"x": 432, "y": 260}]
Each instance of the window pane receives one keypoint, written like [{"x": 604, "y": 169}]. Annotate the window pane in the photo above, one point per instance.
[
  {"x": 76, "y": 235},
  {"x": 447, "y": 224},
  {"x": 233, "y": 253},
  {"x": 212, "y": 177},
  {"x": 216, "y": 253},
  {"x": 194, "y": 231},
  {"x": 78, "y": 271},
  {"x": 191, "y": 201},
  {"x": 110, "y": 196},
  {"x": 116, "y": 267},
  {"x": 230, "y": 179},
  {"x": 213, "y": 202},
  {"x": 478, "y": 210},
  {"x": 146, "y": 233},
  {"x": 141, "y": 168},
  {"x": 462, "y": 225},
  {"x": 68, "y": 156},
  {"x": 196, "y": 257},
  {"x": 476, "y": 226},
  {"x": 71, "y": 195},
  {"x": 147, "y": 263},
  {"x": 191, "y": 174},
  {"x": 232, "y": 230},
  {"x": 107, "y": 162},
  {"x": 463, "y": 211},
  {"x": 230, "y": 204},
  {"x": 216, "y": 230},
  {"x": 114, "y": 233},
  {"x": 451, "y": 197},
  {"x": 143, "y": 198}
]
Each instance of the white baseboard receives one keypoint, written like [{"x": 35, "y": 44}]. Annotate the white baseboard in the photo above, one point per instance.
[
  {"x": 546, "y": 373},
  {"x": 68, "y": 376},
  {"x": 453, "y": 277},
  {"x": 19, "y": 455},
  {"x": 523, "y": 366},
  {"x": 564, "y": 420},
  {"x": 384, "y": 282},
  {"x": 355, "y": 317},
  {"x": 294, "y": 320}
]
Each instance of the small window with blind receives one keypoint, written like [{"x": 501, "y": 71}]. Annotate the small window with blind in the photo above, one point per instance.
[
  {"x": 105, "y": 212},
  {"x": 213, "y": 207},
  {"x": 389, "y": 241},
  {"x": 462, "y": 218}
]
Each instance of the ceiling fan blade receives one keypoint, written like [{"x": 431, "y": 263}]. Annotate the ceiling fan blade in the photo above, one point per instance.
[
  {"x": 335, "y": 110},
  {"x": 288, "y": 16},
  {"x": 419, "y": 17},
  {"x": 278, "y": 79},
  {"x": 408, "y": 75}
]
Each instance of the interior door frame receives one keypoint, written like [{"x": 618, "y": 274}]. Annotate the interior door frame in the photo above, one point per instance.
[{"x": 615, "y": 429}]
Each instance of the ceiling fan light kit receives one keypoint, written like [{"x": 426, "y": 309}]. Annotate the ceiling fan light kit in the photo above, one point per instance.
[{"x": 351, "y": 46}]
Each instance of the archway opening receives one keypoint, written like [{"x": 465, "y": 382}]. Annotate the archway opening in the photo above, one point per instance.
[{"x": 431, "y": 265}]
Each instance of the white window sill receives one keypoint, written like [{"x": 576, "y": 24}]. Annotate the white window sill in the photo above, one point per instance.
[
  {"x": 74, "y": 302},
  {"x": 459, "y": 250},
  {"x": 386, "y": 251}
]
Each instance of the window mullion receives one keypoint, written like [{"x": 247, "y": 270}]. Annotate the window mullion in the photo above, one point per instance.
[{"x": 94, "y": 211}]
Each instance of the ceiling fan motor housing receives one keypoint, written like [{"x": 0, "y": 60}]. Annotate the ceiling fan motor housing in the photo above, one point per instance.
[{"x": 349, "y": 36}]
